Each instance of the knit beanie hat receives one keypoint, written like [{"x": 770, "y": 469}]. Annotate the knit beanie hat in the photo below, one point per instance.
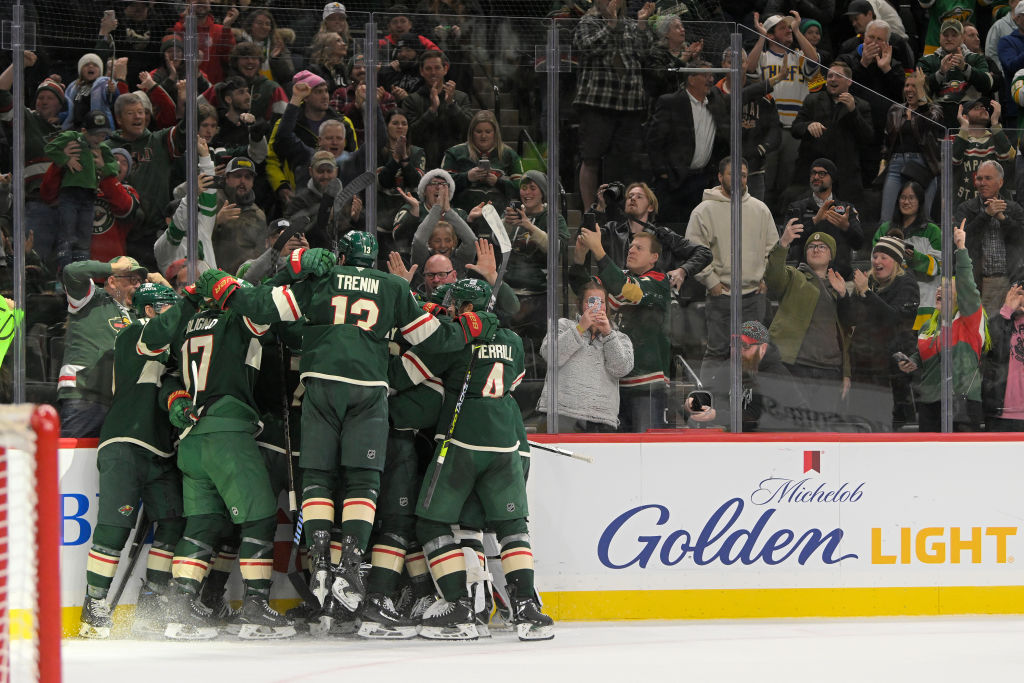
[
  {"x": 810, "y": 22},
  {"x": 753, "y": 332},
  {"x": 828, "y": 165},
  {"x": 540, "y": 180},
  {"x": 172, "y": 40},
  {"x": 421, "y": 189},
  {"x": 829, "y": 241},
  {"x": 121, "y": 151},
  {"x": 309, "y": 78},
  {"x": 892, "y": 246},
  {"x": 90, "y": 58},
  {"x": 54, "y": 87}
]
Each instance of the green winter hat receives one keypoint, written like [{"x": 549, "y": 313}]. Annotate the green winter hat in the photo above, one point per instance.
[{"x": 829, "y": 241}]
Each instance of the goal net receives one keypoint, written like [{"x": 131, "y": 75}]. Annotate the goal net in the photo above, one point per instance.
[{"x": 30, "y": 627}]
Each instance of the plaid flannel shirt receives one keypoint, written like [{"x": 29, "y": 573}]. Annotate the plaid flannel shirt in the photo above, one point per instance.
[{"x": 611, "y": 62}]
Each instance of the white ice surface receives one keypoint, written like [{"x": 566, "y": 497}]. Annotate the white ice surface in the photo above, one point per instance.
[{"x": 878, "y": 650}]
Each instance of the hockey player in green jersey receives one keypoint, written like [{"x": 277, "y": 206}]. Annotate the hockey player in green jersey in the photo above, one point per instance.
[
  {"x": 640, "y": 295},
  {"x": 135, "y": 461},
  {"x": 350, "y": 310},
  {"x": 483, "y": 459},
  {"x": 225, "y": 480}
]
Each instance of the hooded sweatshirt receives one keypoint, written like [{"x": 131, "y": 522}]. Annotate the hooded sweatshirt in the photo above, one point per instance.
[{"x": 710, "y": 225}]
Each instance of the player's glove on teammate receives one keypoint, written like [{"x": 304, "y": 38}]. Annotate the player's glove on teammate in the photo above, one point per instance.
[
  {"x": 217, "y": 285},
  {"x": 436, "y": 310},
  {"x": 192, "y": 294},
  {"x": 316, "y": 262},
  {"x": 478, "y": 326},
  {"x": 180, "y": 410}
]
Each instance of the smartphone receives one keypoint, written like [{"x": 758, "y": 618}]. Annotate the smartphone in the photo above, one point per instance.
[
  {"x": 698, "y": 400},
  {"x": 595, "y": 303},
  {"x": 484, "y": 164},
  {"x": 515, "y": 205},
  {"x": 590, "y": 220},
  {"x": 899, "y": 357}
]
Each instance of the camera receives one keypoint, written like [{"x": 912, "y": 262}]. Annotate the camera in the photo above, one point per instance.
[
  {"x": 217, "y": 183},
  {"x": 698, "y": 401},
  {"x": 614, "y": 199},
  {"x": 515, "y": 205}
]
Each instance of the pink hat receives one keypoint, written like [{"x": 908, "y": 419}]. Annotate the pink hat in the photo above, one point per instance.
[{"x": 309, "y": 78}]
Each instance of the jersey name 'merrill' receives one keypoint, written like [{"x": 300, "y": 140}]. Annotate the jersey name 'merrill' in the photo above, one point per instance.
[
  {"x": 501, "y": 351},
  {"x": 358, "y": 283}
]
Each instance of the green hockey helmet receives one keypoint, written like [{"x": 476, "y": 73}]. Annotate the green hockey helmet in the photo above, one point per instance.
[
  {"x": 359, "y": 248},
  {"x": 469, "y": 290},
  {"x": 152, "y": 294}
]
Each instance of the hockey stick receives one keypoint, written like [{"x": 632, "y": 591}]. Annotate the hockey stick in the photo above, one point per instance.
[
  {"x": 560, "y": 451},
  {"x": 357, "y": 185},
  {"x": 498, "y": 230},
  {"x": 139, "y": 534}
]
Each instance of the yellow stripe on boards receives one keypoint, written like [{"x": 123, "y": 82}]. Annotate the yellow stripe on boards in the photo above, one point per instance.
[{"x": 783, "y": 602}]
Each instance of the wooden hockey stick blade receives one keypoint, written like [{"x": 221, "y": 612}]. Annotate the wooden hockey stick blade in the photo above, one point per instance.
[{"x": 560, "y": 451}]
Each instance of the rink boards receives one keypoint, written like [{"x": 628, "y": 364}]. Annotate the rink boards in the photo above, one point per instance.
[{"x": 697, "y": 524}]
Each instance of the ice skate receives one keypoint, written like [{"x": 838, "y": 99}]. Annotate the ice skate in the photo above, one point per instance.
[
  {"x": 150, "y": 610},
  {"x": 445, "y": 620},
  {"x": 482, "y": 606},
  {"x": 320, "y": 565},
  {"x": 530, "y": 622},
  {"x": 187, "y": 618},
  {"x": 96, "y": 621},
  {"x": 421, "y": 605},
  {"x": 221, "y": 612},
  {"x": 257, "y": 620},
  {"x": 501, "y": 619},
  {"x": 332, "y": 620},
  {"x": 348, "y": 588},
  {"x": 380, "y": 620}
]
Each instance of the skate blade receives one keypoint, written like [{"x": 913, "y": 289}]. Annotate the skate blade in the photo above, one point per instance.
[
  {"x": 176, "y": 631},
  {"x": 94, "y": 632},
  {"x": 320, "y": 627},
  {"x": 348, "y": 598},
  {"x": 459, "y": 632},
  {"x": 258, "y": 632},
  {"x": 148, "y": 627},
  {"x": 534, "y": 632},
  {"x": 483, "y": 631},
  {"x": 232, "y": 629},
  {"x": 498, "y": 623},
  {"x": 373, "y": 631}
]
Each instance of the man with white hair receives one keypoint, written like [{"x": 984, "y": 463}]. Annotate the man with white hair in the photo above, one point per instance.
[
  {"x": 995, "y": 235},
  {"x": 878, "y": 79}
]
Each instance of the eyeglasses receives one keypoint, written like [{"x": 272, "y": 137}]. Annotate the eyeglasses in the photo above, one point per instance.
[
  {"x": 819, "y": 174},
  {"x": 438, "y": 276},
  {"x": 817, "y": 246},
  {"x": 434, "y": 183}
]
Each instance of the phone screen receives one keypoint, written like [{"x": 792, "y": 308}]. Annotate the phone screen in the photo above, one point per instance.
[{"x": 595, "y": 303}]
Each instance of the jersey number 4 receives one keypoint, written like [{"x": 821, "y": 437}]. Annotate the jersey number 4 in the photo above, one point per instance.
[
  {"x": 359, "y": 308},
  {"x": 494, "y": 385}
]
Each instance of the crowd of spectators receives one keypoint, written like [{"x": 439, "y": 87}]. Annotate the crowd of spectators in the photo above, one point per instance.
[{"x": 844, "y": 107}]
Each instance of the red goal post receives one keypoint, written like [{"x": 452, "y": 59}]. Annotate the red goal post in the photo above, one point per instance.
[{"x": 30, "y": 605}]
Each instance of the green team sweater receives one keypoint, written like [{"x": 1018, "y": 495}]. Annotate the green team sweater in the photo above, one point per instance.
[
  {"x": 90, "y": 175},
  {"x": 136, "y": 415},
  {"x": 38, "y": 132},
  {"x": 507, "y": 167},
  {"x": 350, "y": 313},
  {"x": 485, "y": 416},
  {"x": 641, "y": 301},
  {"x": 152, "y": 175},
  {"x": 528, "y": 265},
  {"x": 970, "y": 152},
  {"x": 94, "y": 319}
]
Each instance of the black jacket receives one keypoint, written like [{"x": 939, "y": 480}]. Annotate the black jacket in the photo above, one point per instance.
[
  {"x": 847, "y": 241},
  {"x": 670, "y": 136},
  {"x": 846, "y": 133},
  {"x": 676, "y": 250},
  {"x": 1011, "y": 229},
  {"x": 883, "y": 321}
]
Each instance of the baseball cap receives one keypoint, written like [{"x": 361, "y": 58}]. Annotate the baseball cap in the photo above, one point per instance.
[
  {"x": 858, "y": 7},
  {"x": 96, "y": 121},
  {"x": 136, "y": 267},
  {"x": 334, "y": 8},
  {"x": 951, "y": 24},
  {"x": 982, "y": 102},
  {"x": 1018, "y": 10},
  {"x": 240, "y": 164},
  {"x": 772, "y": 21},
  {"x": 321, "y": 158}
]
